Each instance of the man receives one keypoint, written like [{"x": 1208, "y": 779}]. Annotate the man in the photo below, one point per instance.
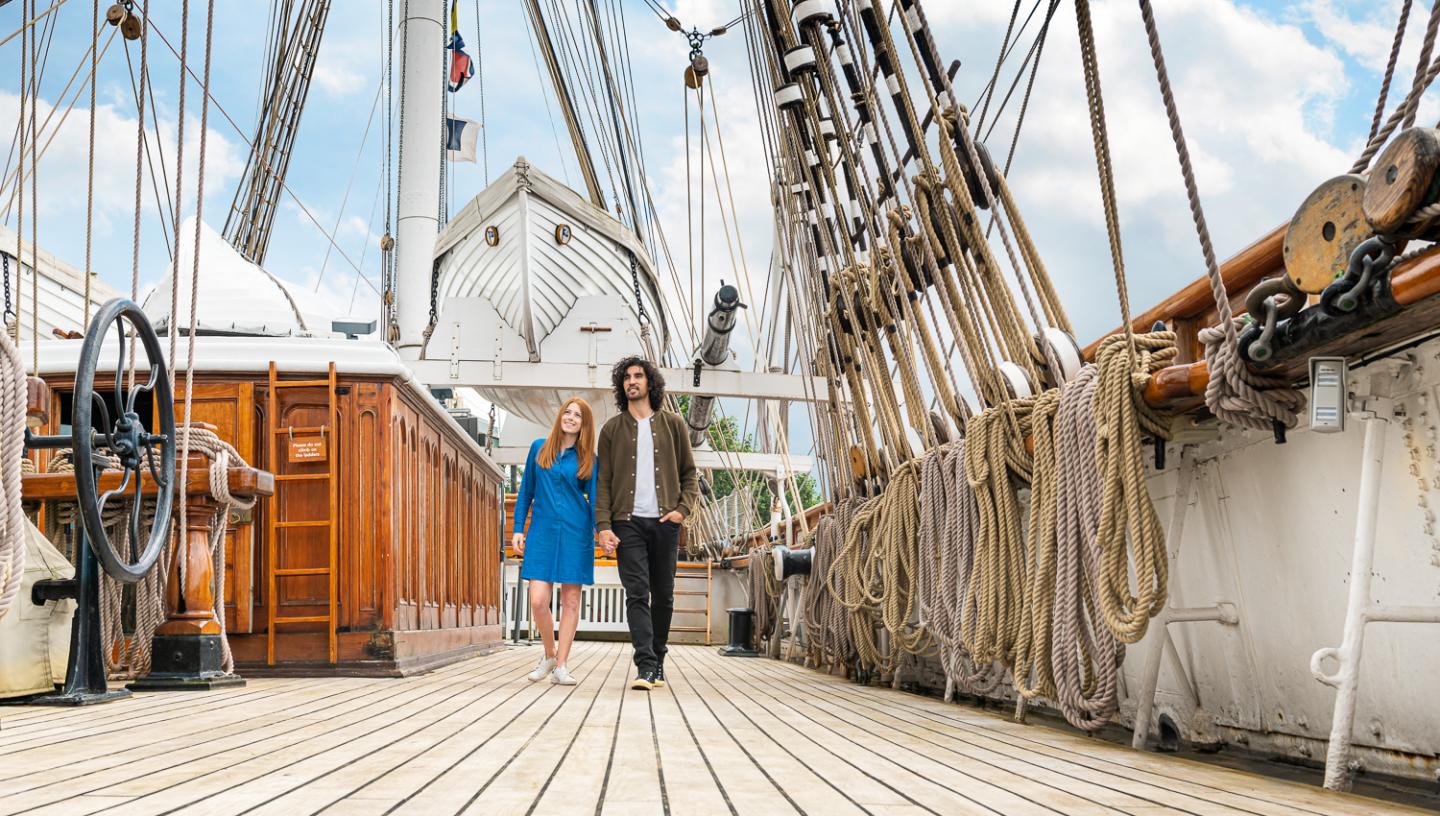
[{"x": 647, "y": 486}]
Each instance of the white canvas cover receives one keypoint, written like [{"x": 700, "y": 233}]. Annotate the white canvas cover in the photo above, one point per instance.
[{"x": 35, "y": 640}]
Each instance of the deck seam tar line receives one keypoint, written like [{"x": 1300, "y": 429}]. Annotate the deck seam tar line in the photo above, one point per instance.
[
  {"x": 477, "y": 738},
  {"x": 435, "y": 682},
  {"x": 824, "y": 778},
  {"x": 1144, "y": 802},
  {"x": 971, "y": 727},
  {"x": 453, "y": 696},
  {"x": 981, "y": 796}
]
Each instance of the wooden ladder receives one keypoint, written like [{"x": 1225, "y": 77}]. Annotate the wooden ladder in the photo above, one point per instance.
[
  {"x": 278, "y": 465},
  {"x": 693, "y": 571}
]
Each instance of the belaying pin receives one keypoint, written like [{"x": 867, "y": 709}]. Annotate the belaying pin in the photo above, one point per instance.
[
  {"x": 1278, "y": 428},
  {"x": 1159, "y": 452}
]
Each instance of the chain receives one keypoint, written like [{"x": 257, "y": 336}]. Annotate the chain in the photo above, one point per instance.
[
  {"x": 639, "y": 304},
  {"x": 490, "y": 437},
  {"x": 434, "y": 292},
  {"x": 9, "y": 307}
]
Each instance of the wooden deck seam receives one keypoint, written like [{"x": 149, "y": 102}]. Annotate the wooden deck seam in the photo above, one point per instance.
[
  {"x": 1144, "y": 801},
  {"x": 560, "y": 762},
  {"x": 833, "y": 690},
  {"x": 690, "y": 729},
  {"x": 361, "y": 692},
  {"x": 530, "y": 739},
  {"x": 962, "y": 794},
  {"x": 447, "y": 682},
  {"x": 483, "y": 743},
  {"x": 743, "y": 749},
  {"x": 812, "y": 770}
]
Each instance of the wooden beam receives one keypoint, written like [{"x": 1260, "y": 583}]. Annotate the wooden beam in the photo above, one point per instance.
[{"x": 245, "y": 482}]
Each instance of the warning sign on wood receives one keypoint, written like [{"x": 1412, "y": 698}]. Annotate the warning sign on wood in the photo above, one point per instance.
[{"x": 307, "y": 448}]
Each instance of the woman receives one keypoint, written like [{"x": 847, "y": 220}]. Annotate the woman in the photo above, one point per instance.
[{"x": 558, "y": 495}]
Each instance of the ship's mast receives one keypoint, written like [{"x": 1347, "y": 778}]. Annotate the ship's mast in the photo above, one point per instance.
[{"x": 418, "y": 221}]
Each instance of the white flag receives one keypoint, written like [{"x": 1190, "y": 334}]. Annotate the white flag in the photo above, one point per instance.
[{"x": 460, "y": 137}]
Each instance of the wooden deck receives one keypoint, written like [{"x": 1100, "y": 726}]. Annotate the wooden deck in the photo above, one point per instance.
[{"x": 728, "y": 735}]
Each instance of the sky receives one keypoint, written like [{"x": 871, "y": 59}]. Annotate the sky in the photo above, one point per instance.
[{"x": 1275, "y": 97}]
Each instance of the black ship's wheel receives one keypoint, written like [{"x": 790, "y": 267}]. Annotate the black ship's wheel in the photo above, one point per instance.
[{"x": 126, "y": 438}]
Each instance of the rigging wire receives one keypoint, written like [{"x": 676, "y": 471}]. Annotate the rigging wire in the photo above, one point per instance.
[
  {"x": 309, "y": 215},
  {"x": 349, "y": 183},
  {"x": 549, "y": 114}
]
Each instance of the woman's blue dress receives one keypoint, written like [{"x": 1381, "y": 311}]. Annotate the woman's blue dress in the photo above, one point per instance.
[{"x": 560, "y": 544}]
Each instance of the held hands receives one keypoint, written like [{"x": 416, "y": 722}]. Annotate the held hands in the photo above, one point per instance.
[
  {"x": 517, "y": 542},
  {"x": 609, "y": 541}
]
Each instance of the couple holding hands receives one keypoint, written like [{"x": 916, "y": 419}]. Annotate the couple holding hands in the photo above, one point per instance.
[{"x": 635, "y": 487}]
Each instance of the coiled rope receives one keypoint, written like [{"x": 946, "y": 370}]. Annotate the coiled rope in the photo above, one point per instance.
[{"x": 12, "y": 451}]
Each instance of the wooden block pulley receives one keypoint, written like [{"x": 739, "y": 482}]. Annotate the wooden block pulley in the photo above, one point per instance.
[
  {"x": 1402, "y": 180},
  {"x": 1324, "y": 232}
]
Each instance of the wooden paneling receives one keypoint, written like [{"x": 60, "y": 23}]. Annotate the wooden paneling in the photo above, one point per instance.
[{"x": 229, "y": 406}]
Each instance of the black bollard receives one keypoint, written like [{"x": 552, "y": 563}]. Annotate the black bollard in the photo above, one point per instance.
[{"x": 742, "y": 624}]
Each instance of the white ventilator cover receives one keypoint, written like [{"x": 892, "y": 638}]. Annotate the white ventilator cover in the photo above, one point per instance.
[
  {"x": 1065, "y": 352},
  {"x": 35, "y": 640}
]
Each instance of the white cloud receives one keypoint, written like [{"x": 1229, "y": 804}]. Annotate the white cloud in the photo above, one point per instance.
[
  {"x": 343, "y": 67},
  {"x": 63, "y": 169},
  {"x": 1256, "y": 100}
]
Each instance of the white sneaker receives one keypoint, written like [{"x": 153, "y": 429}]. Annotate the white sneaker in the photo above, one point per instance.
[
  {"x": 562, "y": 677},
  {"x": 543, "y": 668}
]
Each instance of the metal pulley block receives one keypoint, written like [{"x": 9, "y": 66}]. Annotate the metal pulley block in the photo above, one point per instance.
[
  {"x": 116, "y": 13},
  {"x": 1324, "y": 232},
  {"x": 696, "y": 71},
  {"x": 1063, "y": 358},
  {"x": 1015, "y": 380},
  {"x": 1403, "y": 182}
]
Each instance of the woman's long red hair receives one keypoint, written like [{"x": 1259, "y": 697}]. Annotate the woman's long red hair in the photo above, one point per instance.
[{"x": 584, "y": 445}]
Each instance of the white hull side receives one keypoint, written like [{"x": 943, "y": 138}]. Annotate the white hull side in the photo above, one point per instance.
[{"x": 1271, "y": 528}]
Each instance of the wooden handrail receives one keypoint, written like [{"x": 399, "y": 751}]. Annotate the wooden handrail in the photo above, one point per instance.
[
  {"x": 1179, "y": 386},
  {"x": 1195, "y": 302}
]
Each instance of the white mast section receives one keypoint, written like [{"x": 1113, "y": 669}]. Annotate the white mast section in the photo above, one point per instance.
[{"x": 418, "y": 221}]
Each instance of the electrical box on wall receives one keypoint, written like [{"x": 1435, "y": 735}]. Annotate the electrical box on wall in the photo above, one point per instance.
[{"x": 1328, "y": 394}]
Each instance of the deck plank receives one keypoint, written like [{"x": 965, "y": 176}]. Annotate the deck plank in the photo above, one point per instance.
[
  {"x": 745, "y": 785},
  {"x": 736, "y": 736},
  {"x": 1115, "y": 765},
  {"x": 575, "y": 787},
  {"x": 634, "y": 778},
  {"x": 531, "y": 769}
]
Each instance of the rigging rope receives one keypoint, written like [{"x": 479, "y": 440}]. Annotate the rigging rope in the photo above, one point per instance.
[
  {"x": 1233, "y": 394},
  {"x": 13, "y": 536}
]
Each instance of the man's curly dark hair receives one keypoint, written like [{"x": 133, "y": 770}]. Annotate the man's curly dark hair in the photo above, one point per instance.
[{"x": 652, "y": 376}]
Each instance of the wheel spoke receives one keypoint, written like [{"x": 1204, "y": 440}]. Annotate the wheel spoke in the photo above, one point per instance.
[
  {"x": 137, "y": 505},
  {"x": 107, "y": 429},
  {"x": 124, "y": 483},
  {"x": 120, "y": 365}
]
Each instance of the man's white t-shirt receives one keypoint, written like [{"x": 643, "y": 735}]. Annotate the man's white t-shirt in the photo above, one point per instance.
[{"x": 647, "y": 503}]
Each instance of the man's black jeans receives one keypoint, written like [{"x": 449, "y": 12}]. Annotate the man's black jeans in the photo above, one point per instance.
[{"x": 646, "y": 557}]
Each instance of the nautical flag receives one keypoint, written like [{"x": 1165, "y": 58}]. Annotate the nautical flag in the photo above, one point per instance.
[
  {"x": 460, "y": 136},
  {"x": 461, "y": 68}
]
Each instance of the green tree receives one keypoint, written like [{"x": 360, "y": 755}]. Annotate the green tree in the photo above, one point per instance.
[{"x": 725, "y": 435}]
